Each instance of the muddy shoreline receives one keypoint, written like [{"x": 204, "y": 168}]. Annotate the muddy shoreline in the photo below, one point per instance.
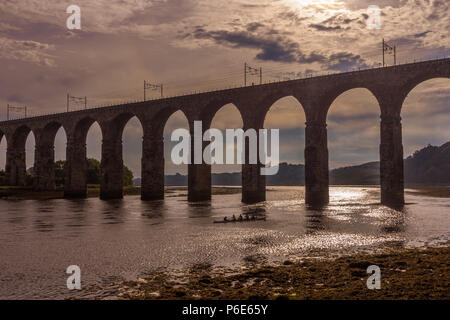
[
  {"x": 16, "y": 193},
  {"x": 405, "y": 274}
]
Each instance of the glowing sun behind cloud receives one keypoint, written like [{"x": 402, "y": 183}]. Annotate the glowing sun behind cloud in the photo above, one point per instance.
[
  {"x": 316, "y": 9},
  {"x": 319, "y": 4}
]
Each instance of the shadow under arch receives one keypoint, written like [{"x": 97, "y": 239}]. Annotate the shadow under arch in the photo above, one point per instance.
[{"x": 352, "y": 132}]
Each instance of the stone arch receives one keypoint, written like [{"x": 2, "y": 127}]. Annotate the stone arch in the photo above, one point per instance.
[
  {"x": 2, "y": 134},
  {"x": 210, "y": 111},
  {"x": 167, "y": 145},
  {"x": 153, "y": 149},
  {"x": 111, "y": 182},
  {"x": 231, "y": 123},
  {"x": 353, "y": 136},
  {"x": 277, "y": 100},
  {"x": 16, "y": 156},
  {"x": 44, "y": 166},
  {"x": 425, "y": 118},
  {"x": 290, "y": 126},
  {"x": 316, "y": 139},
  {"x": 3, "y": 149},
  {"x": 75, "y": 182},
  {"x": 132, "y": 131},
  {"x": 233, "y": 106},
  {"x": 416, "y": 82},
  {"x": 266, "y": 102},
  {"x": 342, "y": 91},
  {"x": 160, "y": 119},
  {"x": 48, "y": 133},
  {"x": 20, "y": 135},
  {"x": 117, "y": 124},
  {"x": 81, "y": 129}
]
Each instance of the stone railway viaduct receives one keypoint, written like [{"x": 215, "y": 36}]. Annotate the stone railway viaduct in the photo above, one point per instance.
[{"x": 390, "y": 86}]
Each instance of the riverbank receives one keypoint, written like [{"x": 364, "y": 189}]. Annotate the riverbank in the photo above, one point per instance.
[
  {"x": 437, "y": 192},
  {"x": 27, "y": 193},
  {"x": 405, "y": 274}
]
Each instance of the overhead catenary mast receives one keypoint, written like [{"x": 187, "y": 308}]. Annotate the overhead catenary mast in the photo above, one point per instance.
[
  {"x": 148, "y": 85},
  {"x": 387, "y": 49}
]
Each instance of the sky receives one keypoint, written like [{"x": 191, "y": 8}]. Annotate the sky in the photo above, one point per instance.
[{"x": 193, "y": 45}]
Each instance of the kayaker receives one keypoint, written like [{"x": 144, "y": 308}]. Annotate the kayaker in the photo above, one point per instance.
[
  {"x": 240, "y": 217},
  {"x": 225, "y": 219},
  {"x": 234, "y": 217}
]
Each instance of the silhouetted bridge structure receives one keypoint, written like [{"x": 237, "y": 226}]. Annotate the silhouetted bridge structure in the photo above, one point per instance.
[{"x": 390, "y": 86}]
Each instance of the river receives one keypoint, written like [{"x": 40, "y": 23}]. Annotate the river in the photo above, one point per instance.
[{"x": 116, "y": 240}]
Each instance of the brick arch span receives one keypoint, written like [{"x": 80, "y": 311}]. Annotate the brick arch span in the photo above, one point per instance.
[
  {"x": 44, "y": 164},
  {"x": 111, "y": 181},
  {"x": 153, "y": 162},
  {"x": 16, "y": 155},
  {"x": 75, "y": 182}
]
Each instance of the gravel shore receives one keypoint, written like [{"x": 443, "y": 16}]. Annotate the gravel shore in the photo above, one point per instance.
[{"x": 405, "y": 274}]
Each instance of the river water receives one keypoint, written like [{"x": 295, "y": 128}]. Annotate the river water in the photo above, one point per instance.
[{"x": 116, "y": 240}]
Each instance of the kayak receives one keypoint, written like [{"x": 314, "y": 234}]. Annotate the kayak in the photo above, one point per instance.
[{"x": 243, "y": 220}]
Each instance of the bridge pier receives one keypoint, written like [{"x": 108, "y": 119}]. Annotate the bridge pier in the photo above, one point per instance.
[
  {"x": 253, "y": 184},
  {"x": 75, "y": 185},
  {"x": 316, "y": 164},
  {"x": 152, "y": 184},
  {"x": 111, "y": 183},
  {"x": 391, "y": 162},
  {"x": 199, "y": 177},
  {"x": 44, "y": 167},
  {"x": 15, "y": 166}
]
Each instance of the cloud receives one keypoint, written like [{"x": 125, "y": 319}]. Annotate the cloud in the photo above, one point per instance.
[
  {"x": 344, "y": 61},
  {"x": 26, "y": 50},
  {"x": 422, "y": 34},
  {"x": 278, "y": 48},
  {"x": 324, "y": 28},
  {"x": 16, "y": 97},
  {"x": 254, "y": 26}
]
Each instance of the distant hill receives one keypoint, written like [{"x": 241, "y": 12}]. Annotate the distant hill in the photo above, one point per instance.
[
  {"x": 428, "y": 166},
  {"x": 431, "y": 165},
  {"x": 364, "y": 174}
]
